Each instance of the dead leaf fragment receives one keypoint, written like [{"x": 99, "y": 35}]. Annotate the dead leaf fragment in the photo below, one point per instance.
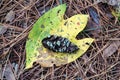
[
  {"x": 92, "y": 69},
  {"x": 94, "y": 15},
  {"x": 93, "y": 29},
  {"x": 10, "y": 16},
  {"x": 110, "y": 2},
  {"x": 111, "y": 49},
  {"x": 8, "y": 73},
  {"x": 2, "y": 29},
  {"x": 15, "y": 66}
]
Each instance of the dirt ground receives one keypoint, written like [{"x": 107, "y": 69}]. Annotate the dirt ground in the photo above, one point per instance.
[{"x": 100, "y": 62}]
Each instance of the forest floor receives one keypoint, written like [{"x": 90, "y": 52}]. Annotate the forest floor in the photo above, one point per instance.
[{"x": 100, "y": 62}]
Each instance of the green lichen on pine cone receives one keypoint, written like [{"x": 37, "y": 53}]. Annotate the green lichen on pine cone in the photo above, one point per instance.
[{"x": 59, "y": 44}]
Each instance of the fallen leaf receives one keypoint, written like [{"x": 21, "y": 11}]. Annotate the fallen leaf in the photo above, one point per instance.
[
  {"x": 2, "y": 29},
  {"x": 94, "y": 15},
  {"x": 16, "y": 67},
  {"x": 110, "y": 2},
  {"x": 111, "y": 49},
  {"x": 8, "y": 73},
  {"x": 92, "y": 69},
  {"x": 93, "y": 29},
  {"x": 85, "y": 58},
  {"x": 53, "y": 23},
  {"x": 10, "y": 16}
]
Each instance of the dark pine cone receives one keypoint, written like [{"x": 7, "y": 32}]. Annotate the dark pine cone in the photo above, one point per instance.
[{"x": 59, "y": 44}]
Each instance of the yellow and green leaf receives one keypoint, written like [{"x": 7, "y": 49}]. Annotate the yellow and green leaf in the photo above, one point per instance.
[{"x": 53, "y": 23}]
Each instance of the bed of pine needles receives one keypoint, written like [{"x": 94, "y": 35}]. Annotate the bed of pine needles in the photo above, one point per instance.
[{"x": 18, "y": 16}]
